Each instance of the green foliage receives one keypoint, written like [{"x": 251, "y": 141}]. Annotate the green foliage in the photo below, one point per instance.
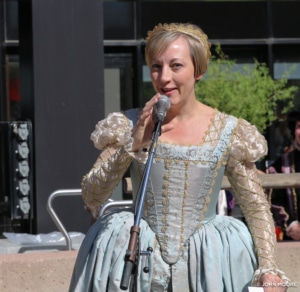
[{"x": 249, "y": 92}]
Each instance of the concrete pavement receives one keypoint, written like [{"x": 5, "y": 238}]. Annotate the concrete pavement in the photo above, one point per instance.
[{"x": 50, "y": 271}]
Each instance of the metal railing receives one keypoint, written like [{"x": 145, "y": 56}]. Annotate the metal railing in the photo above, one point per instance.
[
  {"x": 53, "y": 215},
  {"x": 269, "y": 181},
  {"x": 77, "y": 192}
]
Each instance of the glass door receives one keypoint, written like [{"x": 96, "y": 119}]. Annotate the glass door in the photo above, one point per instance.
[{"x": 118, "y": 94}]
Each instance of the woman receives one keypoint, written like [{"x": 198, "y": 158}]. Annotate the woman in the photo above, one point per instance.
[{"x": 193, "y": 248}]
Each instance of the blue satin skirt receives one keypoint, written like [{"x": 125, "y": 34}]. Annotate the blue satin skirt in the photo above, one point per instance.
[{"x": 218, "y": 257}]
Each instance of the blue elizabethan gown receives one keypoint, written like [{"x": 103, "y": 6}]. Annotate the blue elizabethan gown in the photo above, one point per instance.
[{"x": 194, "y": 249}]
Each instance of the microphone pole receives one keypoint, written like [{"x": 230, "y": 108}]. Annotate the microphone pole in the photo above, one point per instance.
[{"x": 133, "y": 252}]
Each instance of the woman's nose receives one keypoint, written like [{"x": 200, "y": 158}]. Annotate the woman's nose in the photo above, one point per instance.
[{"x": 166, "y": 74}]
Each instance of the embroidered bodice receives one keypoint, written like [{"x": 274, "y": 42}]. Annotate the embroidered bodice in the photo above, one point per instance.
[{"x": 183, "y": 188}]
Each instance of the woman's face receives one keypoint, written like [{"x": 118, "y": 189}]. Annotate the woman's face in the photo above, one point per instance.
[
  {"x": 297, "y": 132},
  {"x": 172, "y": 72}
]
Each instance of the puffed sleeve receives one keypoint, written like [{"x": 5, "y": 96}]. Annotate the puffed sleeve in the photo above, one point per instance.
[
  {"x": 112, "y": 136},
  {"x": 248, "y": 146}
]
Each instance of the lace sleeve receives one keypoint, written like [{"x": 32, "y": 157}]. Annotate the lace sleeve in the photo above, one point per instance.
[
  {"x": 247, "y": 147},
  {"x": 113, "y": 137}
]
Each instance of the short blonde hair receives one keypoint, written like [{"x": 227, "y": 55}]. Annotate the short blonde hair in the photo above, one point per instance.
[{"x": 163, "y": 34}]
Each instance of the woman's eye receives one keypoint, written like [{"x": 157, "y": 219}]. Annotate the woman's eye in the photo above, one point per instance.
[
  {"x": 155, "y": 66},
  {"x": 176, "y": 65}
]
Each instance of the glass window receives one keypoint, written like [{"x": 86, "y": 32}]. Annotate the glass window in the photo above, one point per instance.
[
  {"x": 219, "y": 20},
  {"x": 148, "y": 90},
  {"x": 118, "y": 20},
  {"x": 289, "y": 70},
  {"x": 286, "y": 19},
  {"x": 11, "y": 20},
  {"x": 13, "y": 97},
  {"x": 287, "y": 60}
]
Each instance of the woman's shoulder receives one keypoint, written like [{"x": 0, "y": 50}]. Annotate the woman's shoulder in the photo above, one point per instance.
[
  {"x": 248, "y": 142},
  {"x": 224, "y": 121},
  {"x": 114, "y": 129},
  {"x": 242, "y": 125}
]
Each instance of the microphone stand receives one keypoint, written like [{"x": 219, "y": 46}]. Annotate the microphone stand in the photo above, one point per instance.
[{"x": 133, "y": 252}]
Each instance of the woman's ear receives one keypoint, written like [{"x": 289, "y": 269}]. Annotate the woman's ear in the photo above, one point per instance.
[{"x": 198, "y": 77}]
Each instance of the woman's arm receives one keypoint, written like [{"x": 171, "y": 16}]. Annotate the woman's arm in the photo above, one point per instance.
[
  {"x": 247, "y": 147},
  {"x": 113, "y": 137},
  {"x": 99, "y": 183}
]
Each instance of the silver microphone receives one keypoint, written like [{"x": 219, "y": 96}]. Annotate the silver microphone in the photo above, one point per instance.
[{"x": 161, "y": 107}]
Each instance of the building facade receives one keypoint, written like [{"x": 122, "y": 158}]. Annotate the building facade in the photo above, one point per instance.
[{"x": 65, "y": 64}]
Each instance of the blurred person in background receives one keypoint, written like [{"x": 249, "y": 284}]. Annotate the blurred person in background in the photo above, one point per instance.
[{"x": 287, "y": 201}]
